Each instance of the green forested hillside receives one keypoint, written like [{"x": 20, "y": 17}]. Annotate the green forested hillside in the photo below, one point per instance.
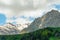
[{"x": 42, "y": 34}]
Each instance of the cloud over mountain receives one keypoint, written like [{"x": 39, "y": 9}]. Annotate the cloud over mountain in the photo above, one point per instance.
[{"x": 28, "y": 8}]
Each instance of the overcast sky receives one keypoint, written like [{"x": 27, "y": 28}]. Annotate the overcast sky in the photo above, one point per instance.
[{"x": 25, "y": 11}]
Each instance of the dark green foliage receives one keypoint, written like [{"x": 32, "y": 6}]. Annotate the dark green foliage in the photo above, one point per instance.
[{"x": 42, "y": 34}]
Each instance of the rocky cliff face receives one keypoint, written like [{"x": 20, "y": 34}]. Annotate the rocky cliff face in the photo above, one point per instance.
[
  {"x": 10, "y": 29},
  {"x": 50, "y": 19}
]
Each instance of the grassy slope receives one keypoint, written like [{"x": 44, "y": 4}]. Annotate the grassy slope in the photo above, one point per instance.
[{"x": 42, "y": 34}]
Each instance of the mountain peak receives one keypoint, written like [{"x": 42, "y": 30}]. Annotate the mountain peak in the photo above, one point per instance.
[
  {"x": 50, "y": 19},
  {"x": 53, "y": 11}
]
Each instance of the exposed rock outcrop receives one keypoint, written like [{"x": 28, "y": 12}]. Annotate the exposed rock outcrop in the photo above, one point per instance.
[
  {"x": 10, "y": 29},
  {"x": 50, "y": 19}
]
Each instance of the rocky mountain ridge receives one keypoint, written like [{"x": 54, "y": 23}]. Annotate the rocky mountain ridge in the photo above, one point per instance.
[
  {"x": 50, "y": 19},
  {"x": 10, "y": 29}
]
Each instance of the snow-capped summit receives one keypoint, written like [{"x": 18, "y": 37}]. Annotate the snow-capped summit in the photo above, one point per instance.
[{"x": 9, "y": 29}]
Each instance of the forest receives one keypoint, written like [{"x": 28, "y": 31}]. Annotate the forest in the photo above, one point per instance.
[{"x": 48, "y": 33}]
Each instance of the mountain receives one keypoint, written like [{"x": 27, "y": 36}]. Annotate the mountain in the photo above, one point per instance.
[
  {"x": 51, "y": 18},
  {"x": 10, "y": 29}
]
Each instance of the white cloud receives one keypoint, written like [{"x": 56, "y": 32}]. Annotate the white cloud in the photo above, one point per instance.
[
  {"x": 6, "y": 11},
  {"x": 32, "y": 13},
  {"x": 33, "y": 8},
  {"x": 22, "y": 21},
  {"x": 8, "y": 2}
]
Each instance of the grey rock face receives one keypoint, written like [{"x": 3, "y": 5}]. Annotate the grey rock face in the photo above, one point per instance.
[
  {"x": 50, "y": 19},
  {"x": 8, "y": 29}
]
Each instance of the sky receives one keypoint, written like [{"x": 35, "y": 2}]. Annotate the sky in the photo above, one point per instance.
[
  {"x": 25, "y": 11},
  {"x": 2, "y": 19}
]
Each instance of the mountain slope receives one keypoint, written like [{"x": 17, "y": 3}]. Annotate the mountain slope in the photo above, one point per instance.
[
  {"x": 48, "y": 33},
  {"x": 10, "y": 29},
  {"x": 51, "y": 19}
]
